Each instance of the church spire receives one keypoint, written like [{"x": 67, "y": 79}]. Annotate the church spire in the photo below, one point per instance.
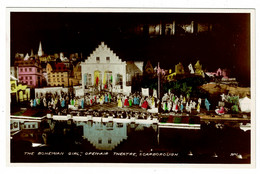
[{"x": 40, "y": 52}]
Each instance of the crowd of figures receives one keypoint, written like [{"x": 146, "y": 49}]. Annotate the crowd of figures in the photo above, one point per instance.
[
  {"x": 145, "y": 102},
  {"x": 173, "y": 103},
  {"x": 66, "y": 101},
  {"x": 56, "y": 101},
  {"x": 170, "y": 102}
]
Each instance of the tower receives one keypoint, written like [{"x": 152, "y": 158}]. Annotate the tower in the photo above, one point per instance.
[{"x": 40, "y": 52}]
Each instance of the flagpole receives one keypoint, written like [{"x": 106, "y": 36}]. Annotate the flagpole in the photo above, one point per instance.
[
  {"x": 159, "y": 73},
  {"x": 159, "y": 84}
]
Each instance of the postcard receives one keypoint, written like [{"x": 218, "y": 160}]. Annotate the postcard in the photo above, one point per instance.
[{"x": 131, "y": 86}]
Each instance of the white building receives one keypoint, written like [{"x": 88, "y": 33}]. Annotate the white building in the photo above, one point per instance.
[
  {"x": 103, "y": 69},
  {"x": 31, "y": 125},
  {"x": 104, "y": 136}
]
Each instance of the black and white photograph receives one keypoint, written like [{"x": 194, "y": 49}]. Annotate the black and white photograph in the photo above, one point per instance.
[{"x": 131, "y": 86}]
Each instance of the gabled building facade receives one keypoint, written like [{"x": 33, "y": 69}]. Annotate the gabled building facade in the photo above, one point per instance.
[{"x": 103, "y": 69}]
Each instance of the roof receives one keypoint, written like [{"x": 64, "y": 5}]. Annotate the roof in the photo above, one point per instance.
[
  {"x": 131, "y": 67},
  {"x": 60, "y": 67},
  {"x": 27, "y": 63}
]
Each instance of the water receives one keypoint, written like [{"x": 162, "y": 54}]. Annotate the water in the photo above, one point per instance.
[{"x": 124, "y": 142}]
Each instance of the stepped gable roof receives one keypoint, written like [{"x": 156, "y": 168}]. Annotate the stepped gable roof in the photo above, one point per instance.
[{"x": 122, "y": 50}]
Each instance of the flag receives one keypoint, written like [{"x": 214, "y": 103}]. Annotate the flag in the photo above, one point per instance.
[
  {"x": 163, "y": 71},
  {"x": 97, "y": 81},
  {"x": 158, "y": 69},
  {"x": 96, "y": 76}
]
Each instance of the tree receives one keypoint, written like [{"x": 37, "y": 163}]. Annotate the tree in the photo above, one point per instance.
[{"x": 186, "y": 89}]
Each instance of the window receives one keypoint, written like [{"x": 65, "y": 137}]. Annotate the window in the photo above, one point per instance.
[
  {"x": 108, "y": 59},
  {"x": 109, "y": 77},
  {"x": 89, "y": 80},
  {"x": 21, "y": 78},
  {"x": 26, "y": 77},
  {"x": 30, "y": 69},
  {"x": 33, "y": 126},
  {"x": 31, "y": 83},
  {"x": 99, "y": 141},
  {"x": 137, "y": 74},
  {"x": 119, "y": 80},
  {"x": 21, "y": 69},
  {"x": 109, "y": 141},
  {"x": 97, "y": 59},
  {"x": 30, "y": 77},
  {"x": 25, "y": 69},
  {"x": 128, "y": 79}
]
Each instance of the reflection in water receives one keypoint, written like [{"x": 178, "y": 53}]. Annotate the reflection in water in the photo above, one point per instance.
[
  {"x": 108, "y": 135},
  {"x": 220, "y": 142},
  {"x": 104, "y": 136}
]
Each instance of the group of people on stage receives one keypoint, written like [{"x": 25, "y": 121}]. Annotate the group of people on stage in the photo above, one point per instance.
[
  {"x": 145, "y": 102},
  {"x": 55, "y": 101},
  {"x": 171, "y": 102},
  {"x": 91, "y": 99}
]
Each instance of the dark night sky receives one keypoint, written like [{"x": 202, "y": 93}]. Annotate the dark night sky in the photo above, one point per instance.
[{"x": 227, "y": 46}]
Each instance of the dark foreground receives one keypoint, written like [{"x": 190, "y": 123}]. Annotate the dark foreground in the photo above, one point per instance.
[{"x": 93, "y": 142}]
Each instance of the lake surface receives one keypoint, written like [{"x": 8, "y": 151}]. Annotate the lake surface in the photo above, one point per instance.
[{"x": 50, "y": 140}]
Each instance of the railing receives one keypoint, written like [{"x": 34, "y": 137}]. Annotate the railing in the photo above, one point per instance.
[
  {"x": 179, "y": 125},
  {"x": 27, "y": 118},
  {"x": 102, "y": 119}
]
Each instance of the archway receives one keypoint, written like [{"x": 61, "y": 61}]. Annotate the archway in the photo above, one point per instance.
[{"x": 97, "y": 77}]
